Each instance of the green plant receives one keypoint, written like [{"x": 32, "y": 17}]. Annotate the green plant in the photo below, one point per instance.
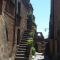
[
  {"x": 33, "y": 51},
  {"x": 30, "y": 42},
  {"x": 32, "y": 34}
]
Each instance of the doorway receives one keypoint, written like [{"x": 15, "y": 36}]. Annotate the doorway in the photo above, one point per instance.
[{"x": 18, "y": 36}]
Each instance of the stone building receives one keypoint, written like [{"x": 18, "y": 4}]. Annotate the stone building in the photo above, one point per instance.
[
  {"x": 13, "y": 24},
  {"x": 40, "y": 42},
  {"x": 54, "y": 31}
]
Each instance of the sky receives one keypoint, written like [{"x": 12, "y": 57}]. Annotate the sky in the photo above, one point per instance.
[{"x": 42, "y": 15}]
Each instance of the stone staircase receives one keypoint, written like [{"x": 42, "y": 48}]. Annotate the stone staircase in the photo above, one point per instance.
[{"x": 23, "y": 51}]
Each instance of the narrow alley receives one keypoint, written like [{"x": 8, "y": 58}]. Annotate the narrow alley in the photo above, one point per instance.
[{"x": 29, "y": 29}]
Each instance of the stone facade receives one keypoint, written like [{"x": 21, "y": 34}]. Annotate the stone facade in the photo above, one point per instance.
[
  {"x": 3, "y": 40},
  {"x": 55, "y": 27},
  {"x": 40, "y": 42},
  {"x": 11, "y": 25}
]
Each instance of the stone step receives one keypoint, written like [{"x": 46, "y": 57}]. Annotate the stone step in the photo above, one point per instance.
[
  {"x": 25, "y": 36},
  {"x": 20, "y": 55},
  {"x": 21, "y": 52},
  {"x": 21, "y": 49},
  {"x": 23, "y": 42},
  {"x": 26, "y": 32},
  {"x": 23, "y": 45},
  {"x": 24, "y": 39},
  {"x": 21, "y": 58}
]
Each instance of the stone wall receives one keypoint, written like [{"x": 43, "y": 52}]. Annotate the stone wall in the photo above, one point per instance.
[
  {"x": 7, "y": 21},
  {"x": 23, "y": 23},
  {"x": 55, "y": 21},
  {"x": 3, "y": 40},
  {"x": 10, "y": 28}
]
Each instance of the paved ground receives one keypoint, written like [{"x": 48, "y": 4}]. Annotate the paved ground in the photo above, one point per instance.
[{"x": 38, "y": 56}]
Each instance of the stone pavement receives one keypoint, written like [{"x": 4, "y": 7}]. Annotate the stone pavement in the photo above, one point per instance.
[{"x": 38, "y": 56}]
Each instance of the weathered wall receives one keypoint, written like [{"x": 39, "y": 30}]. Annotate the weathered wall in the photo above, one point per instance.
[
  {"x": 7, "y": 50},
  {"x": 55, "y": 14},
  {"x": 3, "y": 40},
  {"x": 10, "y": 31},
  {"x": 23, "y": 24}
]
